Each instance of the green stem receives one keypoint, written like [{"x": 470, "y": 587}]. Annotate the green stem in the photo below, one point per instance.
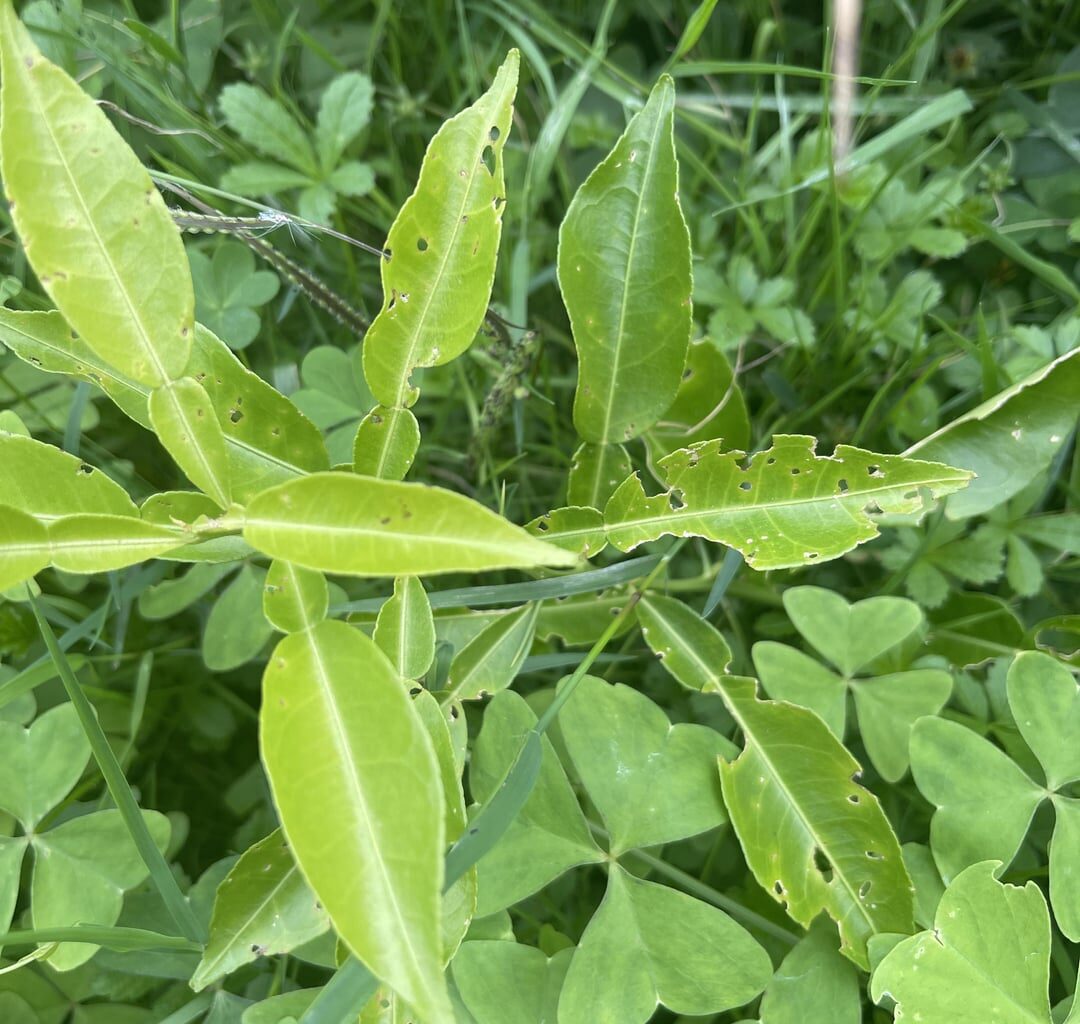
[{"x": 162, "y": 877}]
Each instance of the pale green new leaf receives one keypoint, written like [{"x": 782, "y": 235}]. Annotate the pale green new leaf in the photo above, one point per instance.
[
  {"x": 1010, "y": 439},
  {"x": 595, "y": 473},
  {"x": 986, "y": 959},
  {"x": 443, "y": 247},
  {"x": 788, "y": 508},
  {"x": 47, "y": 483},
  {"x": 652, "y": 945},
  {"x": 294, "y": 598},
  {"x": 814, "y": 838},
  {"x": 98, "y": 543},
  {"x": 185, "y": 423},
  {"x": 364, "y": 818},
  {"x": 262, "y": 908},
  {"x": 360, "y": 526},
  {"x": 95, "y": 229},
  {"x": 651, "y": 781},
  {"x": 236, "y": 631},
  {"x": 576, "y": 529},
  {"x": 386, "y": 443},
  {"x": 170, "y": 597},
  {"x": 81, "y": 870},
  {"x": 24, "y": 547},
  {"x": 491, "y": 660},
  {"x": 625, "y": 276},
  {"x": 405, "y": 629}
]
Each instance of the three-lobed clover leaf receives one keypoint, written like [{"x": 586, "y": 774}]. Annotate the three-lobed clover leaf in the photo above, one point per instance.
[
  {"x": 985, "y": 801},
  {"x": 853, "y": 637},
  {"x": 298, "y": 159},
  {"x": 229, "y": 291}
]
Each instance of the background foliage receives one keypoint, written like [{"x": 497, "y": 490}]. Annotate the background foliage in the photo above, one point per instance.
[{"x": 894, "y": 308}]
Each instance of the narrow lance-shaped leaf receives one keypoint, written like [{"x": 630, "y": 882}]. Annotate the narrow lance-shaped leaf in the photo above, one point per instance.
[
  {"x": 364, "y": 818},
  {"x": 625, "y": 276},
  {"x": 814, "y": 838},
  {"x": 443, "y": 247},
  {"x": 360, "y": 526},
  {"x": 405, "y": 629},
  {"x": 94, "y": 227},
  {"x": 788, "y": 507},
  {"x": 491, "y": 660},
  {"x": 386, "y": 443},
  {"x": 595, "y": 473}
]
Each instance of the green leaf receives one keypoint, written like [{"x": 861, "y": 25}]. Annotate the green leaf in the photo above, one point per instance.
[
  {"x": 549, "y": 834},
  {"x": 814, "y": 984},
  {"x": 595, "y": 473},
  {"x": 24, "y": 547},
  {"x": 81, "y": 871},
  {"x": 170, "y": 597},
  {"x": 444, "y": 244},
  {"x": 265, "y": 125},
  {"x": 41, "y": 763},
  {"x": 94, "y": 227},
  {"x": 850, "y": 635},
  {"x": 98, "y": 543},
  {"x": 984, "y": 802},
  {"x": 789, "y": 675},
  {"x": 986, "y": 959},
  {"x": 263, "y": 908},
  {"x": 360, "y": 526},
  {"x": 814, "y": 839},
  {"x": 405, "y": 629},
  {"x": 651, "y": 781},
  {"x": 788, "y": 508},
  {"x": 508, "y": 983},
  {"x": 971, "y": 628},
  {"x": 365, "y": 819},
  {"x": 294, "y": 599},
  {"x": 236, "y": 630},
  {"x": 625, "y": 276},
  {"x": 352, "y": 178},
  {"x": 491, "y": 660},
  {"x": 654, "y": 945},
  {"x": 228, "y": 291},
  {"x": 575, "y": 529},
  {"x": 259, "y": 178},
  {"x": 46, "y": 483},
  {"x": 184, "y": 422},
  {"x": 1010, "y": 439},
  {"x": 344, "y": 112},
  {"x": 386, "y": 443},
  {"x": 1045, "y": 701}
]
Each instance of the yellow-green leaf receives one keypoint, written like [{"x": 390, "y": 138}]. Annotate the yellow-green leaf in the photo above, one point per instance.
[{"x": 185, "y": 423}]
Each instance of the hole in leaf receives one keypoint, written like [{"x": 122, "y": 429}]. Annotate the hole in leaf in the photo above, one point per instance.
[
  {"x": 874, "y": 855},
  {"x": 794, "y": 470},
  {"x": 875, "y": 471},
  {"x": 778, "y": 887},
  {"x": 487, "y": 158},
  {"x": 842, "y": 485},
  {"x": 821, "y": 862},
  {"x": 422, "y": 244},
  {"x": 494, "y": 133},
  {"x": 85, "y": 469},
  {"x": 676, "y": 500},
  {"x": 235, "y": 416},
  {"x": 853, "y": 798},
  {"x": 864, "y": 890},
  {"x": 745, "y": 485},
  {"x": 770, "y": 461},
  {"x": 387, "y": 254},
  {"x": 744, "y": 463}
]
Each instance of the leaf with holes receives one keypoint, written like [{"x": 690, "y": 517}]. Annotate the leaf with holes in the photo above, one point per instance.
[
  {"x": 94, "y": 227},
  {"x": 443, "y": 246},
  {"x": 490, "y": 661},
  {"x": 813, "y": 837},
  {"x": 625, "y": 276},
  {"x": 787, "y": 507}
]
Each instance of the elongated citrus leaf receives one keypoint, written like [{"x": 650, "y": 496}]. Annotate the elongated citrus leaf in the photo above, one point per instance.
[
  {"x": 624, "y": 271},
  {"x": 45, "y": 482},
  {"x": 185, "y": 423},
  {"x": 491, "y": 660},
  {"x": 405, "y": 629},
  {"x": 94, "y": 227},
  {"x": 364, "y": 818},
  {"x": 99, "y": 543},
  {"x": 267, "y": 439},
  {"x": 575, "y": 528},
  {"x": 986, "y": 959},
  {"x": 294, "y": 598},
  {"x": 595, "y": 473},
  {"x": 443, "y": 247},
  {"x": 813, "y": 837},
  {"x": 1010, "y": 439},
  {"x": 263, "y": 908},
  {"x": 789, "y": 507},
  {"x": 24, "y": 547},
  {"x": 360, "y": 526},
  {"x": 386, "y": 443}
]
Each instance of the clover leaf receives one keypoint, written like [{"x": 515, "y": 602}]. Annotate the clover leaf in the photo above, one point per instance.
[{"x": 229, "y": 291}]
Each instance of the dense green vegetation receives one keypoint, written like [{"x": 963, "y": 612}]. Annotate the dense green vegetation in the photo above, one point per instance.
[{"x": 518, "y": 513}]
